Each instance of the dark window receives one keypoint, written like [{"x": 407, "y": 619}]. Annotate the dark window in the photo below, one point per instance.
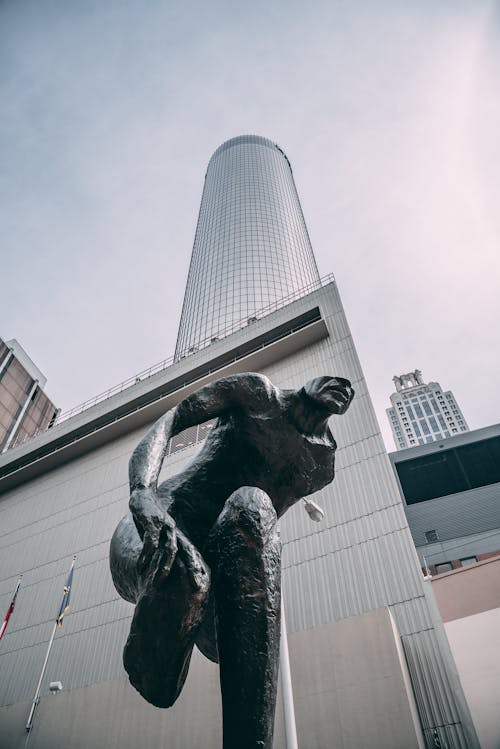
[
  {"x": 431, "y": 537},
  {"x": 467, "y": 561},
  {"x": 425, "y": 428},
  {"x": 450, "y": 471},
  {"x": 481, "y": 461},
  {"x": 443, "y": 567},
  {"x": 430, "y": 476},
  {"x": 427, "y": 408}
]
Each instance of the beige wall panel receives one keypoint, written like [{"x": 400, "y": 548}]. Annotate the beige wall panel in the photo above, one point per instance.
[{"x": 475, "y": 644}]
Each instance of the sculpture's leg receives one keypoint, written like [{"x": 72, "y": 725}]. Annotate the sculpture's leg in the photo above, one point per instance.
[
  {"x": 169, "y": 610},
  {"x": 245, "y": 555}
]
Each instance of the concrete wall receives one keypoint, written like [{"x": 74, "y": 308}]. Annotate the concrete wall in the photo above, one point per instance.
[
  {"x": 468, "y": 590},
  {"x": 351, "y": 689},
  {"x": 350, "y": 692},
  {"x": 475, "y": 644},
  {"x": 469, "y": 602}
]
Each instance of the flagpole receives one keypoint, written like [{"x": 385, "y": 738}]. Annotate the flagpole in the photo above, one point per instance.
[
  {"x": 286, "y": 687},
  {"x": 64, "y": 605},
  {"x": 36, "y": 698}
]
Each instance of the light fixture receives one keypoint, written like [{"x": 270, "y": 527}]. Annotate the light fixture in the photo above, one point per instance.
[
  {"x": 55, "y": 687},
  {"x": 314, "y": 511}
]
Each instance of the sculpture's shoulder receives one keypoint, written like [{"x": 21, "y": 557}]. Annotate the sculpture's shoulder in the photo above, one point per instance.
[{"x": 255, "y": 390}]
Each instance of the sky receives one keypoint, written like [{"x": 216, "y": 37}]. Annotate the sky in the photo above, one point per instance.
[{"x": 388, "y": 111}]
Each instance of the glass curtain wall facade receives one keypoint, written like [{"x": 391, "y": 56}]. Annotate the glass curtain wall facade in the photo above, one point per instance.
[{"x": 251, "y": 245}]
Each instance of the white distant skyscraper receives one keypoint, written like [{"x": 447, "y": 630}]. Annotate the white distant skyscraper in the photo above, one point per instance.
[
  {"x": 251, "y": 246},
  {"x": 422, "y": 413}
]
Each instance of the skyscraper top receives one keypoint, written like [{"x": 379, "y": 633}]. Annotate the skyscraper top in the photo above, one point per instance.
[
  {"x": 422, "y": 413},
  {"x": 241, "y": 139},
  {"x": 251, "y": 247},
  {"x": 410, "y": 380}
]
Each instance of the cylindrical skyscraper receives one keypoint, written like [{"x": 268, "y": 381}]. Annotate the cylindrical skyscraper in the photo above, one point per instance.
[{"x": 251, "y": 246}]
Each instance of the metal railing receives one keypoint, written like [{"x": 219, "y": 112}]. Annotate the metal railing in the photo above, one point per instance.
[{"x": 166, "y": 363}]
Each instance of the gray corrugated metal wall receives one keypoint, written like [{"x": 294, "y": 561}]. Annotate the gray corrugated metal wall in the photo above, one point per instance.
[{"x": 457, "y": 515}]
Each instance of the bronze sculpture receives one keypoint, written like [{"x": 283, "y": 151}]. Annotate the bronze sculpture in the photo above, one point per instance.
[{"x": 199, "y": 555}]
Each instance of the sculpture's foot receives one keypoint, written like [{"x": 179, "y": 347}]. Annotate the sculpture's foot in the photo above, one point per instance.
[
  {"x": 168, "y": 613},
  {"x": 244, "y": 554}
]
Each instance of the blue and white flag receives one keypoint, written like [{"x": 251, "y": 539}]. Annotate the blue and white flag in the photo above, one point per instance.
[{"x": 67, "y": 594}]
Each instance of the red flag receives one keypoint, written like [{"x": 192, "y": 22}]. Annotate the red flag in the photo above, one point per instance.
[{"x": 11, "y": 608}]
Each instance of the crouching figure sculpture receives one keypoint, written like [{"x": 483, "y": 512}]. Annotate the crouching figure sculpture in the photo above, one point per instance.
[{"x": 199, "y": 555}]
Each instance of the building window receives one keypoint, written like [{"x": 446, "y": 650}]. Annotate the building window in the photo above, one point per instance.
[
  {"x": 450, "y": 471},
  {"x": 443, "y": 567},
  {"x": 467, "y": 561},
  {"x": 425, "y": 427},
  {"x": 431, "y": 537},
  {"x": 418, "y": 411}
]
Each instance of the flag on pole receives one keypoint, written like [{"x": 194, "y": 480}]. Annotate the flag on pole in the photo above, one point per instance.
[
  {"x": 67, "y": 593},
  {"x": 11, "y": 608}
]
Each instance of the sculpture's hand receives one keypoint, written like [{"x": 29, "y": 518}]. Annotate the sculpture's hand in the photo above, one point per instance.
[
  {"x": 157, "y": 530},
  {"x": 159, "y": 548}
]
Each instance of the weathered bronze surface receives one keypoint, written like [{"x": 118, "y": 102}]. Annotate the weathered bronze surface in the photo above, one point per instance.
[{"x": 199, "y": 555}]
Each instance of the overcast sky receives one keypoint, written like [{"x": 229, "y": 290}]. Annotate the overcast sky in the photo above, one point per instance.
[{"x": 389, "y": 112}]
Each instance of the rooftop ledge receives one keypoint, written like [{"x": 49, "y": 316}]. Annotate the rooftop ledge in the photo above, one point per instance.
[{"x": 260, "y": 343}]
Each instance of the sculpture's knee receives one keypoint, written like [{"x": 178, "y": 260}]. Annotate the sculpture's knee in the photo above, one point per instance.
[{"x": 249, "y": 510}]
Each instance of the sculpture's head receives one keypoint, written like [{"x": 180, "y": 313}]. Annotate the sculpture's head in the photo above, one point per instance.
[{"x": 333, "y": 394}]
